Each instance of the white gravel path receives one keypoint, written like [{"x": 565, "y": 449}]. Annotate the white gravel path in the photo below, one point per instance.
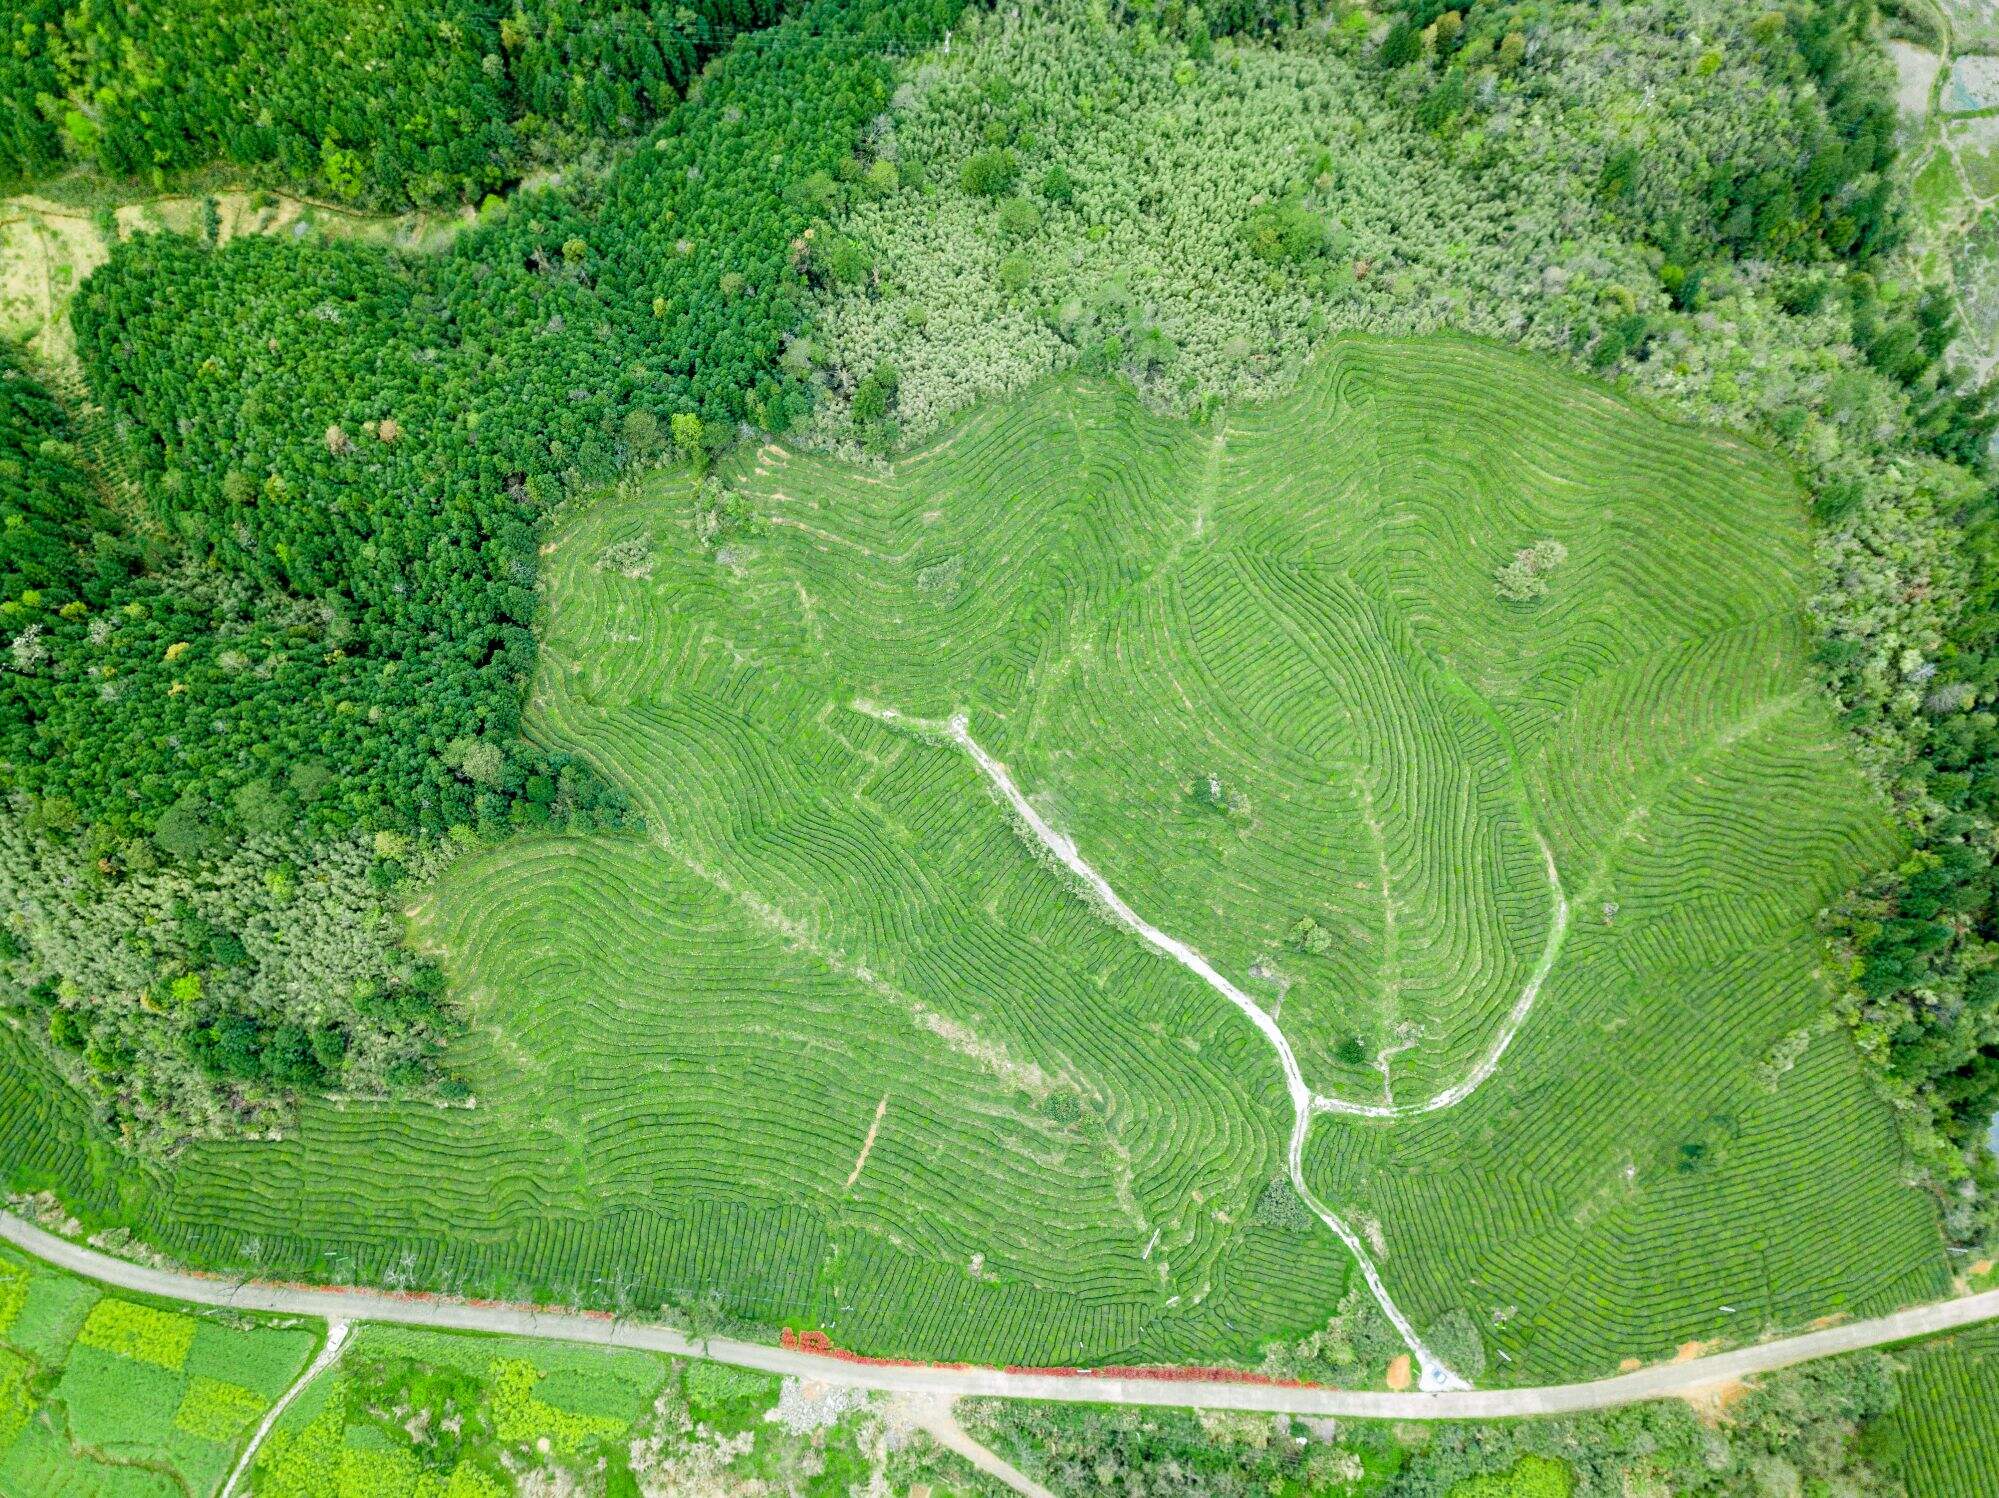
[{"x": 1435, "y": 1375}]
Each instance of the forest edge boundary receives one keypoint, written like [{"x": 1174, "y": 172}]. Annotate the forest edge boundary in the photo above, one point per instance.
[{"x": 1217, "y": 1388}]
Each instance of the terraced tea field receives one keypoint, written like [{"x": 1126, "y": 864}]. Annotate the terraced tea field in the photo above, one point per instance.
[
  {"x": 1015, "y": 814},
  {"x": 1939, "y": 1441}
]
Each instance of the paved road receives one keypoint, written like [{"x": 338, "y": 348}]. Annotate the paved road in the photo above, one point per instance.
[{"x": 1658, "y": 1381}]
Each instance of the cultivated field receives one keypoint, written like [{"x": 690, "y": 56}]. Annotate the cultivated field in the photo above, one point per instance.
[
  {"x": 114, "y": 1395},
  {"x": 848, "y": 1042},
  {"x": 1940, "y": 1441},
  {"x": 402, "y": 1406}
]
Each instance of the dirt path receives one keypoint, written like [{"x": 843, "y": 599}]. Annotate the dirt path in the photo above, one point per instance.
[
  {"x": 867, "y": 1144},
  {"x": 1487, "y": 1064},
  {"x": 1305, "y": 1103},
  {"x": 1658, "y": 1381},
  {"x": 336, "y": 1338},
  {"x": 936, "y": 1415}
]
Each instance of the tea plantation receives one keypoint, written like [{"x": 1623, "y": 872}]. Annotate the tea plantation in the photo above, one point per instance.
[
  {"x": 1939, "y": 1440},
  {"x": 1313, "y": 687}
]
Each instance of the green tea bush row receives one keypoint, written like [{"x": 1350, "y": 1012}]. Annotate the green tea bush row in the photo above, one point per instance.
[
  {"x": 1937, "y": 1438},
  {"x": 1695, "y": 200},
  {"x": 324, "y": 618}
]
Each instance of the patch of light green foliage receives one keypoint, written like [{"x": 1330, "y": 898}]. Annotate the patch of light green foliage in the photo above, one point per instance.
[
  {"x": 451, "y": 1415},
  {"x": 1201, "y": 221},
  {"x": 1123, "y": 231},
  {"x": 294, "y": 931},
  {"x": 106, "y": 1393}
]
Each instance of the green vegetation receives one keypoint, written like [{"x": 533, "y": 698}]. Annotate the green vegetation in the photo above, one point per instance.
[
  {"x": 416, "y": 101},
  {"x": 1092, "y": 1449},
  {"x": 1813, "y": 1430},
  {"x": 1219, "y": 212},
  {"x": 194, "y": 997},
  {"x": 830, "y": 912},
  {"x": 1431, "y": 678},
  {"x": 102, "y": 1393},
  {"x": 1938, "y": 1439},
  {"x": 454, "y": 1416},
  {"x": 405, "y": 1410},
  {"x": 1207, "y": 215},
  {"x": 279, "y": 602}
]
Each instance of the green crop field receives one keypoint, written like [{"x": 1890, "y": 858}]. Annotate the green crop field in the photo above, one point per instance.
[
  {"x": 106, "y": 1394},
  {"x": 407, "y": 1411},
  {"x": 421, "y": 1414},
  {"x": 841, "y": 1043},
  {"x": 1939, "y": 1440}
]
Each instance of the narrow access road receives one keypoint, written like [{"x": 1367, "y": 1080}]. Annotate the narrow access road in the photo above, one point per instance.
[
  {"x": 1659, "y": 1381},
  {"x": 1436, "y": 1375},
  {"x": 336, "y": 1338},
  {"x": 936, "y": 1416}
]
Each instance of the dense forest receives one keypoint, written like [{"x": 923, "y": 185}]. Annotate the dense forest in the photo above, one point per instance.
[
  {"x": 428, "y": 101},
  {"x": 270, "y": 649},
  {"x": 280, "y": 618},
  {"x": 189, "y": 965}
]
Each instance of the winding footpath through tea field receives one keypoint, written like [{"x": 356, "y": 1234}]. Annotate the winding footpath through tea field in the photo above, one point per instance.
[
  {"x": 1659, "y": 1381},
  {"x": 931, "y": 1094},
  {"x": 1305, "y": 1103}
]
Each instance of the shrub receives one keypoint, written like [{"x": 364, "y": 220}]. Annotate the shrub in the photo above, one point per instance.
[
  {"x": 1530, "y": 1477},
  {"x": 1307, "y": 935},
  {"x": 841, "y": 261},
  {"x": 1402, "y": 45},
  {"x": 1525, "y": 578},
  {"x": 1284, "y": 233},
  {"x": 875, "y": 396},
  {"x": 1281, "y": 1207},
  {"x": 989, "y": 173},
  {"x": 1019, "y": 219}
]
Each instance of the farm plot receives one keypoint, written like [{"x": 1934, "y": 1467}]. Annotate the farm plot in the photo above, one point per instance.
[
  {"x": 1939, "y": 1440},
  {"x": 413, "y": 1412},
  {"x": 1355, "y": 694},
  {"x": 108, "y": 1394},
  {"x": 450, "y": 1415}
]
